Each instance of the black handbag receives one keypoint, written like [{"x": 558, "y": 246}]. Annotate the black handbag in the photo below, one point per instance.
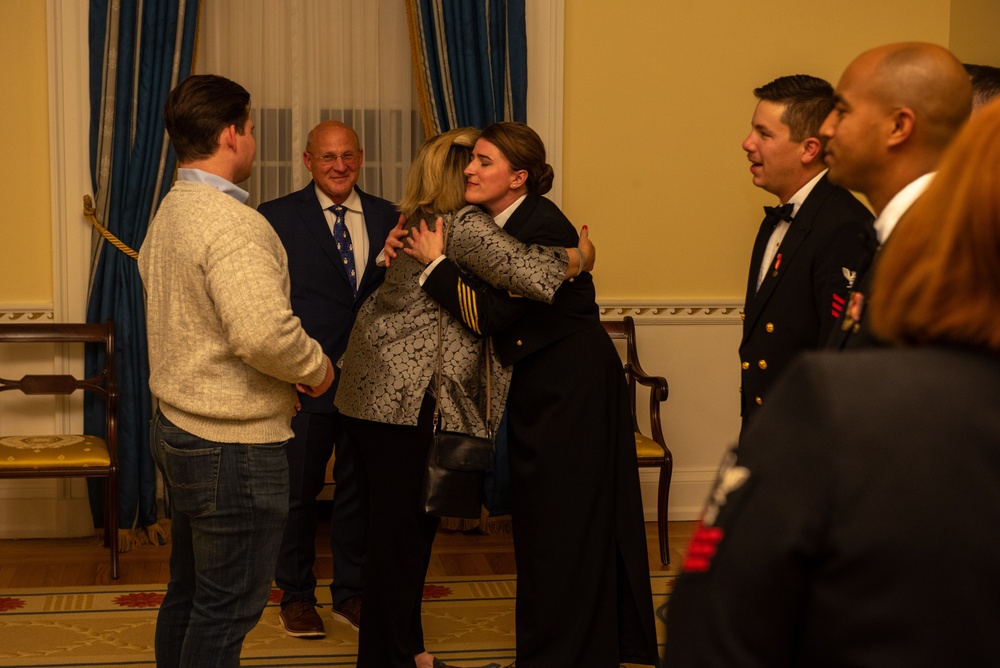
[
  {"x": 456, "y": 468},
  {"x": 457, "y": 463}
]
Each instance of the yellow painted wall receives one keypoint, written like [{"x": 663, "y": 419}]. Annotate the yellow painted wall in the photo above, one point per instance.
[
  {"x": 25, "y": 225},
  {"x": 658, "y": 99},
  {"x": 973, "y": 31}
]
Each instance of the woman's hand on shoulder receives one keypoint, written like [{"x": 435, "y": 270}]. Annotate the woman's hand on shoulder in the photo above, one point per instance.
[
  {"x": 588, "y": 251},
  {"x": 393, "y": 241},
  {"x": 583, "y": 255},
  {"x": 426, "y": 245}
]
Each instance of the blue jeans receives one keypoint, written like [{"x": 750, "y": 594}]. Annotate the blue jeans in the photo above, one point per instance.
[{"x": 229, "y": 502}]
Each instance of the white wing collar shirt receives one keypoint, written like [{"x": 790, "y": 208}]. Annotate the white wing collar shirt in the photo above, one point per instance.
[
  {"x": 898, "y": 205},
  {"x": 781, "y": 229}
]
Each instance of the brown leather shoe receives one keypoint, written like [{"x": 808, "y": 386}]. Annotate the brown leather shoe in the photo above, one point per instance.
[
  {"x": 349, "y": 612},
  {"x": 300, "y": 620}
]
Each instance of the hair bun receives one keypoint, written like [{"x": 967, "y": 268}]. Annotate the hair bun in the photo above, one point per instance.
[{"x": 545, "y": 179}]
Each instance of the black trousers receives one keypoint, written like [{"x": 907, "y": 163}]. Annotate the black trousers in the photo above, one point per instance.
[
  {"x": 308, "y": 453},
  {"x": 399, "y": 540}
]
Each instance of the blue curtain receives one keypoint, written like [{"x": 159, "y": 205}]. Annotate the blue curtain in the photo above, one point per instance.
[
  {"x": 139, "y": 50},
  {"x": 470, "y": 60}
]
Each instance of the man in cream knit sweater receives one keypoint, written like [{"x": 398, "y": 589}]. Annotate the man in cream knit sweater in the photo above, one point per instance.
[{"x": 225, "y": 352}]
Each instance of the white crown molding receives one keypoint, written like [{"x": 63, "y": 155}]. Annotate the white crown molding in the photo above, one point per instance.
[{"x": 675, "y": 311}]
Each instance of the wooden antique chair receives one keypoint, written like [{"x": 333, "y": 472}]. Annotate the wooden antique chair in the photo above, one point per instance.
[
  {"x": 67, "y": 455},
  {"x": 651, "y": 452}
]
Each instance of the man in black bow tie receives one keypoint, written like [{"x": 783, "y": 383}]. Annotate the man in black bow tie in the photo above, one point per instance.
[{"x": 808, "y": 249}]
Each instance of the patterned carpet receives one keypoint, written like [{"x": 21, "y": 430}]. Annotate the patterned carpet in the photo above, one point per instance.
[{"x": 467, "y": 622}]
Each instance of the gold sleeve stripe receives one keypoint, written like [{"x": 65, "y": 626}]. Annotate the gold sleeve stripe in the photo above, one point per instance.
[{"x": 467, "y": 304}]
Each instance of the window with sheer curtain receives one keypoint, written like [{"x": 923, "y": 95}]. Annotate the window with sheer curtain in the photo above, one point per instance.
[{"x": 306, "y": 61}]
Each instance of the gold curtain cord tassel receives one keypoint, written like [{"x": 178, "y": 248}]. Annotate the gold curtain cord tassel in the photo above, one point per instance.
[{"x": 91, "y": 213}]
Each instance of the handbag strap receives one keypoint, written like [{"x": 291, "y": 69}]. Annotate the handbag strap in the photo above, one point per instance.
[{"x": 440, "y": 359}]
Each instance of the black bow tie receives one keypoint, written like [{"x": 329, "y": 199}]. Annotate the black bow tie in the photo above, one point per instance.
[{"x": 777, "y": 213}]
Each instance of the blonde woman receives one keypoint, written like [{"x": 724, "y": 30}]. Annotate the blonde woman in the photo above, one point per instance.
[{"x": 388, "y": 376}]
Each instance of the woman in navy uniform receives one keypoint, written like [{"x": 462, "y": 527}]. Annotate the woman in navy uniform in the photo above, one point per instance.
[{"x": 583, "y": 590}]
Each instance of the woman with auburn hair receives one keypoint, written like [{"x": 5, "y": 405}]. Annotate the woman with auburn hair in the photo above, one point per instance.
[
  {"x": 388, "y": 382},
  {"x": 583, "y": 588},
  {"x": 870, "y": 471}
]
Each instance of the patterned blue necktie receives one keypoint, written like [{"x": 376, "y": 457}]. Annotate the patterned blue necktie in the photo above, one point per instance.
[{"x": 344, "y": 245}]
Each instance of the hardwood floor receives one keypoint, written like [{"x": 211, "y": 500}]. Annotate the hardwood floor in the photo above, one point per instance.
[{"x": 67, "y": 562}]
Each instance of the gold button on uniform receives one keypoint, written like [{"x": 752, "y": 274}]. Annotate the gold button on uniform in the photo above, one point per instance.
[
  {"x": 743, "y": 315},
  {"x": 520, "y": 342},
  {"x": 769, "y": 327},
  {"x": 762, "y": 364},
  {"x": 746, "y": 365},
  {"x": 760, "y": 402}
]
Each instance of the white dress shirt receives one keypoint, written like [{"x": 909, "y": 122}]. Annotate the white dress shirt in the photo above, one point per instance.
[
  {"x": 899, "y": 204},
  {"x": 781, "y": 229}
]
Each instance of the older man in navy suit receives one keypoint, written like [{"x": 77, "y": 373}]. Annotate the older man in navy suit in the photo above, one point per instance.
[
  {"x": 332, "y": 232},
  {"x": 809, "y": 249}
]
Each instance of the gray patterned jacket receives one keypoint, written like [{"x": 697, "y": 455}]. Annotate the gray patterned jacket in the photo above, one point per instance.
[{"x": 391, "y": 356}]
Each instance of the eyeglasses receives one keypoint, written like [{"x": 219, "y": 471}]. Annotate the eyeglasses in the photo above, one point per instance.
[{"x": 350, "y": 158}]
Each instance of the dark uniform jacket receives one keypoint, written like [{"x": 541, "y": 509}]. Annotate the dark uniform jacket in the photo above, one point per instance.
[
  {"x": 856, "y": 523},
  {"x": 852, "y": 329},
  {"x": 569, "y": 429},
  {"x": 520, "y": 326},
  {"x": 806, "y": 288}
]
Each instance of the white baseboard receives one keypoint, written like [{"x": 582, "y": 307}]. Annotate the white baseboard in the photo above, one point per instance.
[
  {"x": 688, "y": 491},
  {"x": 45, "y": 508}
]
